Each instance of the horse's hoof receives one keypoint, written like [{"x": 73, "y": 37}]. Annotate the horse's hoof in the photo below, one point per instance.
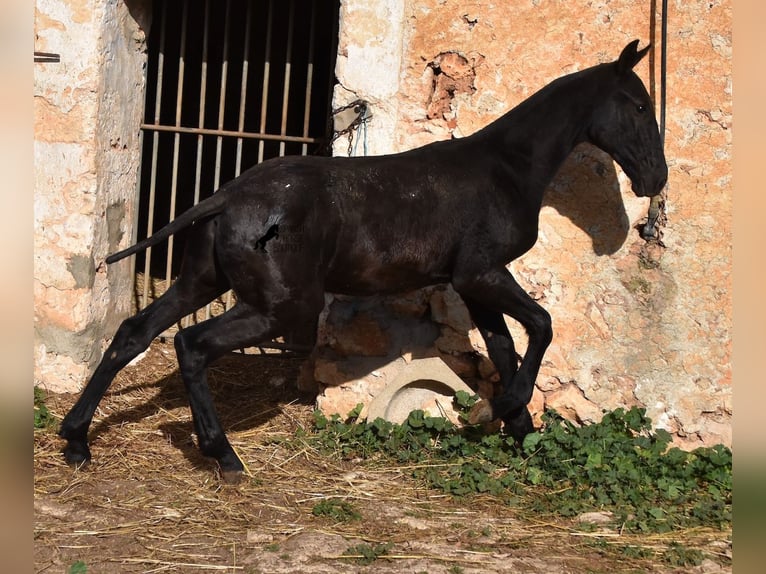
[
  {"x": 77, "y": 454},
  {"x": 231, "y": 476},
  {"x": 519, "y": 426},
  {"x": 481, "y": 412}
]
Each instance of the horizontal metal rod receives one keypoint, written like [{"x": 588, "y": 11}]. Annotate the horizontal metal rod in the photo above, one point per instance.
[
  {"x": 229, "y": 133},
  {"x": 47, "y": 57}
]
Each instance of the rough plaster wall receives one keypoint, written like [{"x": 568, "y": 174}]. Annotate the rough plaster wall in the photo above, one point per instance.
[
  {"x": 634, "y": 324},
  {"x": 87, "y": 112},
  {"x": 369, "y": 61}
]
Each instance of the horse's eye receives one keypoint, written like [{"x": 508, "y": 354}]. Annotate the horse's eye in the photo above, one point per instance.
[{"x": 641, "y": 108}]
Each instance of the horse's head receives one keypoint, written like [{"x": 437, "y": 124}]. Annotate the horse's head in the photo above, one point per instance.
[{"x": 624, "y": 126}]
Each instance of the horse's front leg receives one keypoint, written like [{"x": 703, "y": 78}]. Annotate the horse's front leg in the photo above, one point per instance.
[{"x": 489, "y": 296}]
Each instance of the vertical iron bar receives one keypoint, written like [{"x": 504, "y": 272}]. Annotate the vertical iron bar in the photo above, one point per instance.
[
  {"x": 201, "y": 124},
  {"x": 243, "y": 88},
  {"x": 242, "y": 102},
  {"x": 222, "y": 98},
  {"x": 288, "y": 68},
  {"x": 155, "y": 145},
  {"x": 221, "y": 114},
  {"x": 176, "y": 140},
  {"x": 134, "y": 228},
  {"x": 309, "y": 78},
  {"x": 202, "y": 100},
  {"x": 266, "y": 74}
]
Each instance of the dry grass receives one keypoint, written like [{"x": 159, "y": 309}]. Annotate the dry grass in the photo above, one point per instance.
[{"x": 149, "y": 502}]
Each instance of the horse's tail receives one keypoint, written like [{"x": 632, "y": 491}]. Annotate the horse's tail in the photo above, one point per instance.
[{"x": 204, "y": 209}]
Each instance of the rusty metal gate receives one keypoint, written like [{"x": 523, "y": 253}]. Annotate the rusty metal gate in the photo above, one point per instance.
[{"x": 229, "y": 84}]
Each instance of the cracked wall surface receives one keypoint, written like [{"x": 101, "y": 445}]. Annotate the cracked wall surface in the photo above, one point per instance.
[{"x": 634, "y": 323}]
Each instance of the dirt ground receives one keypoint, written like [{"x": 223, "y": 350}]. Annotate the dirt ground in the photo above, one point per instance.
[{"x": 149, "y": 502}]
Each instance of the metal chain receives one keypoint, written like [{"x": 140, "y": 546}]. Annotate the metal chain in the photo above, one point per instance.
[{"x": 360, "y": 108}]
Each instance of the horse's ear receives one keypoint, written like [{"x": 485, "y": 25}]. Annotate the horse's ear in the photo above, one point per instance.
[{"x": 630, "y": 56}]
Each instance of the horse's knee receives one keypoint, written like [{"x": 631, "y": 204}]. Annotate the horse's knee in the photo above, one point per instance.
[{"x": 130, "y": 340}]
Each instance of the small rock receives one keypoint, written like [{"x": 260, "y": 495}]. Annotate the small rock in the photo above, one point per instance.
[
  {"x": 596, "y": 517},
  {"x": 254, "y": 537},
  {"x": 415, "y": 523}
]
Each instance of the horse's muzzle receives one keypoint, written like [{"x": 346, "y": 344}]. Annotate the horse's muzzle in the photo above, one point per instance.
[{"x": 649, "y": 186}]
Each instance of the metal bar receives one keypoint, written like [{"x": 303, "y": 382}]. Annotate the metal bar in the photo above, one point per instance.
[
  {"x": 288, "y": 68},
  {"x": 221, "y": 113},
  {"x": 134, "y": 227},
  {"x": 222, "y": 96},
  {"x": 243, "y": 88},
  {"x": 266, "y": 74},
  {"x": 242, "y": 107},
  {"x": 186, "y": 321},
  {"x": 155, "y": 145},
  {"x": 230, "y": 133},
  {"x": 309, "y": 78},
  {"x": 176, "y": 140},
  {"x": 202, "y": 99},
  {"x": 47, "y": 57}
]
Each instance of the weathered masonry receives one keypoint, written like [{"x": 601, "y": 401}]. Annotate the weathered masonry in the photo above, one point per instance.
[
  {"x": 88, "y": 106},
  {"x": 634, "y": 323}
]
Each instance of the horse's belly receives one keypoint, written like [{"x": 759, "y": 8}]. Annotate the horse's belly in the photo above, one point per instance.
[{"x": 382, "y": 273}]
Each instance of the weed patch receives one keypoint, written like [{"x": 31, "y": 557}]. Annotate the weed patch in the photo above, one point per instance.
[
  {"x": 619, "y": 465},
  {"x": 367, "y": 554},
  {"x": 337, "y": 510},
  {"x": 679, "y": 555},
  {"x": 43, "y": 417}
]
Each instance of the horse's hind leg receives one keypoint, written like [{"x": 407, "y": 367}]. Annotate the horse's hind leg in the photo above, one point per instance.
[
  {"x": 199, "y": 345},
  {"x": 198, "y": 284}
]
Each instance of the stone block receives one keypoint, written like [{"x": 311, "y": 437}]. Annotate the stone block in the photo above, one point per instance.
[
  {"x": 425, "y": 384},
  {"x": 570, "y": 402}
]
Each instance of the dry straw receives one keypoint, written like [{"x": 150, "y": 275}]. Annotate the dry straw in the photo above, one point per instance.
[{"x": 149, "y": 502}]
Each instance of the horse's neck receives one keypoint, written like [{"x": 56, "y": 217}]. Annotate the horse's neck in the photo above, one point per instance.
[{"x": 534, "y": 139}]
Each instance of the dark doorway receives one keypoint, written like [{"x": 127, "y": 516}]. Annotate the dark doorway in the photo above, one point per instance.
[{"x": 229, "y": 84}]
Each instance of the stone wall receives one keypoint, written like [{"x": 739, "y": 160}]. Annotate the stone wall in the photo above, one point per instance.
[
  {"x": 634, "y": 323},
  {"x": 88, "y": 108}
]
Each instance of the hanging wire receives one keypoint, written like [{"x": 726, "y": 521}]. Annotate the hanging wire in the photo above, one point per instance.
[{"x": 651, "y": 229}]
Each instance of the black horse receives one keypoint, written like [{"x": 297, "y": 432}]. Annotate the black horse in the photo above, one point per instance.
[{"x": 449, "y": 212}]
